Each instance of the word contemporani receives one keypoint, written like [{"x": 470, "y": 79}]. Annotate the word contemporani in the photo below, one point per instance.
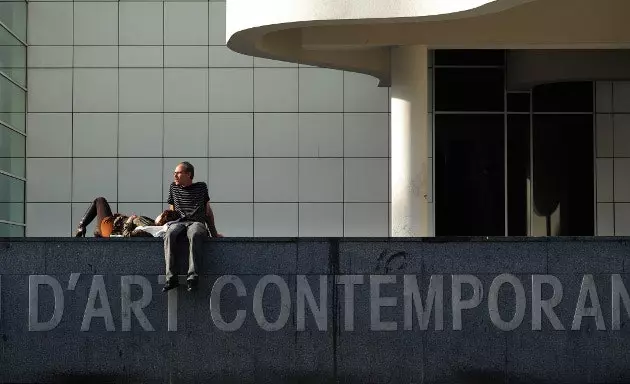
[{"x": 419, "y": 307}]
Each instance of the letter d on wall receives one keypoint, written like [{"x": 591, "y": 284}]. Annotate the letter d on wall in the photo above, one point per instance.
[{"x": 34, "y": 281}]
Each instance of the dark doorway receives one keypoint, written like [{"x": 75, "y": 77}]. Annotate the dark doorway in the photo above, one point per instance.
[
  {"x": 519, "y": 163},
  {"x": 563, "y": 192},
  {"x": 469, "y": 182}
]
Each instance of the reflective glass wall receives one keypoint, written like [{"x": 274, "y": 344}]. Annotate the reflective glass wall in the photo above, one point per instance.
[
  {"x": 12, "y": 117},
  {"x": 509, "y": 163}
]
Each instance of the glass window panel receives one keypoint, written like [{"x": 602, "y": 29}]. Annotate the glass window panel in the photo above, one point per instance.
[
  {"x": 9, "y": 230},
  {"x": 469, "y": 89},
  {"x": 16, "y": 74},
  {"x": 12, "y": 144},
  {"x": 12, "y": 151},
  {"x": 563, "y": 97},
  {"x": 517, "y": 174},
  {"x": 12, "y": 212},
  {"x": 7, "y": 38},
  {"x": 469, "y": 175},
  {"x": 11, "y": 189},
  {"x": 13, "y": 16},
  {"x": 518, "y": 102},
  {"x": 15, "y": 120},
  {"x": 563, "y": 191},
  {"x": 13, "y": 165},
  {"x": 12, "y": 103},
  {"x": 12, "y": 57},
  {"x": 473, "y": 57}
]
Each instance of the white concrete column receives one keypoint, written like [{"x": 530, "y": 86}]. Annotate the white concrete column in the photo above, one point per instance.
[{"x": 410, "y": 182}]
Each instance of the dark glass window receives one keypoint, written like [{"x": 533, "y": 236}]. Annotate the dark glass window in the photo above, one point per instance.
[
  {"x": 11, "y": 199},
  {"x": 469, "y": 175},
  {"x": 518, "y": 102},
  {"x": 12, "y": 104},
  {"x": 12, "y": 55},
  {"x": 517, "y": 173},
  {"x": 563, "y": 192},
  {"x": 471, "y": 155},
  {"x": 12, "y": 151},
  {"x": 11, "y": 189},
  {"x": 563, "y": 97},
  {"x": 472, "y": 57},
  {"x": 469, "y": 89},
  {"x": 12, "y": 212},
  {"x": 8, "y": 230}
]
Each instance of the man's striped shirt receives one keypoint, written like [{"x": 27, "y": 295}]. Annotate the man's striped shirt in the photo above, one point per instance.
[{"x": 190, "y": 202}]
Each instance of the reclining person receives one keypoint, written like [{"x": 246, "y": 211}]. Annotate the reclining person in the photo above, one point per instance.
[
  {"x": 140, "y": 227},
  {"x": 109, "y": 224}
]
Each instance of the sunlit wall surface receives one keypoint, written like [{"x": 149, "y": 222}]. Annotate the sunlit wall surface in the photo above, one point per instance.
[
  {"x": 12, "y": 117},
  {"x": 120, "y": 92}
]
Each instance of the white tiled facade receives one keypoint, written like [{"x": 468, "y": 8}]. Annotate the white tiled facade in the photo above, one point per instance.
[
  {"x": 120, "y": 92},
  {"x": 613, "y": 158}
]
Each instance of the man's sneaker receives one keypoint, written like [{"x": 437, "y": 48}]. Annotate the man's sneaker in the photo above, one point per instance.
[
  {"x": 192, "y": 285},
  {"x": 170, "y": 285}
]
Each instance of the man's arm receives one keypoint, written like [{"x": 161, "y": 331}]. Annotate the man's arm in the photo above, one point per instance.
[
  {"x": 170, "y": 201},
  {"x": 210, "y": 221}
]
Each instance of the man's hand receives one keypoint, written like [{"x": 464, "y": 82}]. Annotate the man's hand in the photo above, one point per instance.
[{"x": 210, "y": 222}]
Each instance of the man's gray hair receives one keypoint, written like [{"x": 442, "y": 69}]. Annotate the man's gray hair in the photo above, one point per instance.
[{"x": 188, "y": 168}]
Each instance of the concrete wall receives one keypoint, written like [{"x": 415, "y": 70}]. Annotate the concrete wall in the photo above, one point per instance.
[
  {"x": 529, "y": 68},
  {"x": 199, "y": 351},
  {"x": 324, "y": 34}
]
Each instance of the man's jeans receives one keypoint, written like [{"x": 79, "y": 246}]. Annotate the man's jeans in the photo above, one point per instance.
[{"x": 196, "y": 233}]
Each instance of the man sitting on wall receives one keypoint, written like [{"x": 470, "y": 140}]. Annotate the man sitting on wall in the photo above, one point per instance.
[{"x": 192, "y": 202}]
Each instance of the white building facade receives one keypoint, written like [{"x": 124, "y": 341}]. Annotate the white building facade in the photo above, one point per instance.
[{"x": 119, "y": 92}]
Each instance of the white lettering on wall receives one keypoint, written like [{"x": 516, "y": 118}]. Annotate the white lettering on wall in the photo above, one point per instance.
[
  {"x": 435, "y": 299},
  {"x": 319, "y": 312},
  {"x": 349, "y": 281},
  {"x": 127, "y": 307},
  {"x": 97, "y": 289},
  {"x": 619, "y": 292},
  {"x": 539, "y": 305},
  {"x": 588, "y": 289},
  {"x": 215, "y": 303},
  {"x": 171, "y": 306},
  {"x": 419, "y": 306},
  {"x": 493, "y": 302},
  {"x": 34, "y": 281},
  {"x": 376, "y": 302},
  {"x": 456, "y": 297},
  {"x": 285, "y": 303}
]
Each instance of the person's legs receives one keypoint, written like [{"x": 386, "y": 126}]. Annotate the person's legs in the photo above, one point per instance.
[
  {"x": 103, "y": 210},
  {"x": 100, "y": 209},
  {"x": 170, "y": 246},
  {"x": 196, "y": 233}
]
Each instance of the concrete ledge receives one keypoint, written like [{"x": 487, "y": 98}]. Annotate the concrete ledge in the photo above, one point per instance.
[{"x": 178, "y": 337}]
